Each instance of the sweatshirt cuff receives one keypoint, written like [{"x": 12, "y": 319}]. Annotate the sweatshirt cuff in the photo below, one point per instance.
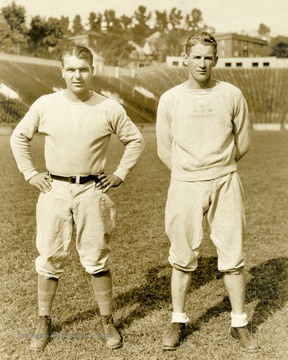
[
  {"x": 29, "y": 174},
  {"x": 122, "y": 174}
]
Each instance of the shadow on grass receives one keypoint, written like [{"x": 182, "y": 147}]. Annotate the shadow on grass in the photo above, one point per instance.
[
  {"x": 81, "y": 316},
  {"x": 268, "y": 286},
  {"x": 155, "y": 294}
]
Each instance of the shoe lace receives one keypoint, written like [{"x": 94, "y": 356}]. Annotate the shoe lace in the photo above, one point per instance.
[
  {"x": 42, "y": 327},
  {"x": 109, "y": 326},
  {"x": 244, "y": 333}
]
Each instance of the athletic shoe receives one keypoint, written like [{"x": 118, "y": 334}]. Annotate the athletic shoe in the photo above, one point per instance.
[
  {"x": 41, "y": 334},
  {"x": 174, "y": 336},
  {"x": 110, "y": 334},
  {"x": 245, "y": 338}
]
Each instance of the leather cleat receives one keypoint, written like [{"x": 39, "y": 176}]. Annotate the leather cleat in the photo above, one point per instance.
[
  {"x": 41, "y": 334},
  {"x": 174, "y": 336},
  {"x": 245, "y": 338},
  {"x": 110, "y": 334}
]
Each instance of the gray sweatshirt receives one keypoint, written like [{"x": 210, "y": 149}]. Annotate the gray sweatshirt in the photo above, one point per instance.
[
  {"x": 202, "y": 133},
  {"x": 77, "y": 136}
]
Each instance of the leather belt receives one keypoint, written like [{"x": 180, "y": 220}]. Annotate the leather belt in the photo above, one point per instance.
[{"x": 76, "y": 179}]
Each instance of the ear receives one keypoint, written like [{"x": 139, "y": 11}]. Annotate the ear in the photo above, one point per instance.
[
  {"x": 185, "y": 59},
  {"x": 215, "y": 60},
  {"x": 62, "y": 71}
]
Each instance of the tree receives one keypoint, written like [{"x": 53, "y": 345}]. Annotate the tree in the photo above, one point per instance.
[
  {"x": 115, "y": 48},
  {"x": 141, "y": 16},
  {"x": 264, "y": 31},
  {"x": 13, "y": 32},
  {"x": 56, "y": 39},
  {"x": 126, "y": 22},
  {"x": 279, "y": 47},
  {"x": 77, "y": 28},
  {"x": 113, "y": 24},
  {"x": 64, "y": 25},
  {"x": 194, "y": 21},
  {"x": 6, "y": 42},
  {"x": 141, "y": 29},
  {"x": 48, "y": 38},
  {"x": 175, "y": 42},
  {"x": 38, "y": 31},
  {"x": 175, "y": 18},
  {"x": 15, "y": 16},
  {"x": 95, "y": 22},
  {"x": 170, "y": 43},
  {"x": 161, "y": 20}
]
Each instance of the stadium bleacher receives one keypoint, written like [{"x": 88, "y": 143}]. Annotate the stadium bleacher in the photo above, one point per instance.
[
  {"x": 32, "y": 80},
  {"x": 11, "y": 110},
  {"x": 264, "y": 89}
]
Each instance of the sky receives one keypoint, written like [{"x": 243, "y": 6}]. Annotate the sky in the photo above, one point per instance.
[{"x": 223, "y": 15}]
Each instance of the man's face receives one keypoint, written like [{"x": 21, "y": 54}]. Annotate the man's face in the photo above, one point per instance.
[
  {"x": 77, "y": 74},
  {"x": 200, "y": 61}
]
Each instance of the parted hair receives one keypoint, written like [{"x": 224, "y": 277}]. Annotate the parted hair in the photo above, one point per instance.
[
  {"x": 204, "y": 38},
  {"x": 81, "y": 52}
]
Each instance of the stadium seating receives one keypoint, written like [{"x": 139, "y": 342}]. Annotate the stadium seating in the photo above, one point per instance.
[
  {"x": 11, "y": 110},
  {"x": 31, "y": 81},
  {"x": 264, "y": 89}
]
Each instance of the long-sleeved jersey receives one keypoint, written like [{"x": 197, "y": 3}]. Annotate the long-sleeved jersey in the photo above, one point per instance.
[
  {"x": 77, "y": 136},
  {"x": 202, "y": 133}
]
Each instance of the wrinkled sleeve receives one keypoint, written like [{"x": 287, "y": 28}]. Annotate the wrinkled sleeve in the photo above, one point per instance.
[
  {"x": 241, "y": 128},
  {"x": 20, "y": 141},
  {"x": 132, "y": 139},
  {"x": 163, "y": 133}
]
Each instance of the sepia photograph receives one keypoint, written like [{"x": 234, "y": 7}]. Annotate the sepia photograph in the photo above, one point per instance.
[{"x": 143, "y": 170}]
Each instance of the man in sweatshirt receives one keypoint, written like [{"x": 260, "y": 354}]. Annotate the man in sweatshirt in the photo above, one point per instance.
[
  {"x": 202, "y": 132},
  {"x": 77, "y": 123}
]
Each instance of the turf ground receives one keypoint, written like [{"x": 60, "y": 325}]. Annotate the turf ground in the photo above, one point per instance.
[{"x": 140, "y": 268}]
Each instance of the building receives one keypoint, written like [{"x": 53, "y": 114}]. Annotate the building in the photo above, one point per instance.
[
  {"x": 238, "y": 51},
  {"x": 140, "y": 56},
  {"x": 252, "y": 62},
  {"x": 143, "y": 56},
  {"x": 236, "y": 45},
  {"x": 237, "y": 62}
]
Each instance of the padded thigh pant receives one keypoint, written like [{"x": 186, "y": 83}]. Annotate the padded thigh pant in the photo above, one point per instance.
[
  {"x": 187, "y": 203},
  {"x": 93, "y": 214}
]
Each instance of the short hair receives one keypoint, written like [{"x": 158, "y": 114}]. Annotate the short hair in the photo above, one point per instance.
[
  {"x": 204, "y": 38},
  {"x": 81, "y": 52}
]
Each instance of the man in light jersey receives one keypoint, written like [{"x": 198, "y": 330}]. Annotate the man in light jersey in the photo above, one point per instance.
[
  {"x": 77, "y": 123},
  {"x": 202, "y": 132}
]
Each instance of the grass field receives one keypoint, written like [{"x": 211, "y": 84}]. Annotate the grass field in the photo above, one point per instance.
[{"x": 141, "y": 271}]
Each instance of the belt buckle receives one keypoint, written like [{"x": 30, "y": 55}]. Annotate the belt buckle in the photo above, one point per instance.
[{"x": 72, "y": 179}]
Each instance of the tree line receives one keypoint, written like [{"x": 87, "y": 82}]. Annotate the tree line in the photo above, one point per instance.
[{"x": 46, "y": 38}]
